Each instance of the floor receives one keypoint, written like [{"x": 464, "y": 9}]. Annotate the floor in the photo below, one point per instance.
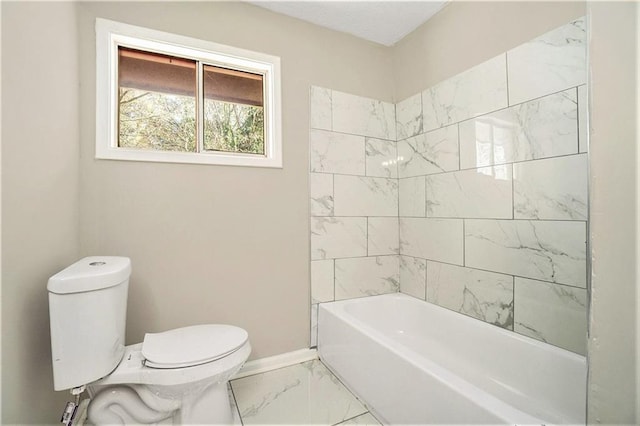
[{"x": 301, "y": 394}]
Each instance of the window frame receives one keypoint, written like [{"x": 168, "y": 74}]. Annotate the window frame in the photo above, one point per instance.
[{"x": 111, "y": 34}]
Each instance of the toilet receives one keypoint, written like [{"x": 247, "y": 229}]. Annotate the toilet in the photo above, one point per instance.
[{"x": 178, "y": 376}]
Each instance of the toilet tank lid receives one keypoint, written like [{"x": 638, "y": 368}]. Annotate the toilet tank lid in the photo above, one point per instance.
[{"x": 91, "y": 273}]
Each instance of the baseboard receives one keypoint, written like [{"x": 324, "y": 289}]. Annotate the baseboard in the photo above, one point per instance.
[{"x": 261, "y": 365}]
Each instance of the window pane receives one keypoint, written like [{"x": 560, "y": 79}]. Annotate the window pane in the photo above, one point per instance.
[
  {"x": 233, "y": 111},
  {"x": 157, "y": 104}
]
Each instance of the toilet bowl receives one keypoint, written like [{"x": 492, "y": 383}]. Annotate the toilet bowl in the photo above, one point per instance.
[{"x": 178, "y": 376}]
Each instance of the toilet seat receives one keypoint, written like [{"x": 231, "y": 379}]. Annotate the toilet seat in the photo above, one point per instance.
[
  {"x": 191, "y": 346},
  {"x": 132, "y": 369}
]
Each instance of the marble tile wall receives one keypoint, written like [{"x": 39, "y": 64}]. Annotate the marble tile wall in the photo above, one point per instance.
[
  {"x": 492, "y": 172},
  {"x": 353, "y": 198},
  {"x": 471, "y": 194}
]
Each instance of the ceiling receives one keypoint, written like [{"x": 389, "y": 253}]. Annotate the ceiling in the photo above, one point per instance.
[{"x": 384, "y": 22}]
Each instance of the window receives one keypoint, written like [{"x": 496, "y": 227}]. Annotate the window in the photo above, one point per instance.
[{"x": 169, "y": 98}]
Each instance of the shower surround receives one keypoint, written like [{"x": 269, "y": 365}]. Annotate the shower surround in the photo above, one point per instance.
[{"x": 471, "y": 195}]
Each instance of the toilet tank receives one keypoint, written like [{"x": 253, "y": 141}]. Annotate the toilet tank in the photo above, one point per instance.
[{"x": 87, "y": 311}]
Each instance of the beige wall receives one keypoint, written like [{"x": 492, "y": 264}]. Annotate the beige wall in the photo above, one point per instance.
[
  {"x": 613, "y": 152},
  {"x": 39, "y": 195},
  {"x": 216, "y": 244},
  {"x": 464, "y": 34},
  {"x": 208, "y": 244}
]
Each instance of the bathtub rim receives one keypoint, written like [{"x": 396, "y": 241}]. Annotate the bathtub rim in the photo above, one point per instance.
[{"x": 338, "y": 309}]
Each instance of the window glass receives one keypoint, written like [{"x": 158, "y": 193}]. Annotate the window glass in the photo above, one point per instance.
[
  {"x": 156, "y": 101},
  {"x": 233, "y": 111}
]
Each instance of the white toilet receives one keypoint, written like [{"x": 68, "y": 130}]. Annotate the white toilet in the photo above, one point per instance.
[{"x": 175, "y": 377}]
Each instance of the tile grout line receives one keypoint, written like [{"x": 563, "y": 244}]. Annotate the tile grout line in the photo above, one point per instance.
[
  {"x": 537, "y": 98},
  {"x": 483, "y": 114},
  {"x": 347, "y": 389},
  {"x": 507, "y": 274},
  {"x": 512, "y": 193},
  {"x": 258, "y": 373},
  {"x": 504, "y": 219},
  {"x": 529, "y": 160},
  {"x": 358, "y": 135},
  {"x": 356, "y": 416},
  {"x": 235, "y": 400}
]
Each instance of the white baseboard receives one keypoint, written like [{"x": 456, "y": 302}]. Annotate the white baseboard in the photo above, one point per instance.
[{"x": 277, "y": 361}]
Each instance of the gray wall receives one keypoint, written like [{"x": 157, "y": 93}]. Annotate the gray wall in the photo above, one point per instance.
[{"x": 39, "y": 195}]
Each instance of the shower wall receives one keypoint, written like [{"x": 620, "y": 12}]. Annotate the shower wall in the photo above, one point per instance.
[
  {"x": 354, "y": 198},
  {"x": 493, "y": 190},
  {"x": 490, "y": 172}
]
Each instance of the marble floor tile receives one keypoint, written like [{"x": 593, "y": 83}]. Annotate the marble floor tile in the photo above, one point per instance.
[
  {"x": 236, "y": 421},
  {"x": 363, "y": 419},
  {"x": 302, "y": 394}
]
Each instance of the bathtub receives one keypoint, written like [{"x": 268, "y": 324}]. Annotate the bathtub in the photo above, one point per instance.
[{"x": 413, "y": 362}]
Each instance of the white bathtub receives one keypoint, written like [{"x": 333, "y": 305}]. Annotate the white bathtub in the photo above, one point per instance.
[{"x": 413, "y": 362}]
